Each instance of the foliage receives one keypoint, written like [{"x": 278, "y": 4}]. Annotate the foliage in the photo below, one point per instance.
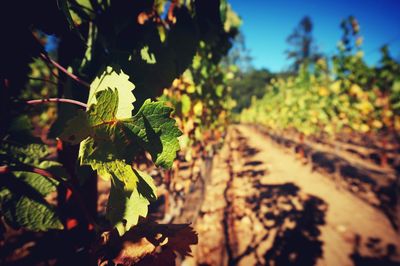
[
  {"x": 350, "y": 97},
  {"x": 200, "y": 96},
  {"x": 117, "y": 56}
]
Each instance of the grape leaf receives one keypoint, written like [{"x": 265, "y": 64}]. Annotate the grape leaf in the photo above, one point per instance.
[
  {"x": 22, "y": 198},
  {"x": 153, "y": 66},
  {"x": 110, "y": 139},
  {"x": 151, "y": 129},
  {"x": 22, "y": 193},
  {"x": 186, "y": 104},
  {"x": 120, "y": 82},
  {"x": 12, "y": 152},
  {"x": 63, "y": 6},
  {"x": 71, "y": 132},
  {"x": 20, "y": 130},
  {"x": 130, "y": 194},
  {"x": 126, "y": 203}
]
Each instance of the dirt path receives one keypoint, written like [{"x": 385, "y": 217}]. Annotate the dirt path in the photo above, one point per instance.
[{"x": 263, "y": 207}]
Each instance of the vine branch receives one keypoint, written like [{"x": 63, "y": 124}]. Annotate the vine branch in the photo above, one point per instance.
[
  {"x": 42, "y": 79},
  {"x": 47, "y": 58},
  {"x": 57, "y": 100}
]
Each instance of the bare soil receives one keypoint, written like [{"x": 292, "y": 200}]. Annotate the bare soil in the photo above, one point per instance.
[{"x": 263, "y": 206}]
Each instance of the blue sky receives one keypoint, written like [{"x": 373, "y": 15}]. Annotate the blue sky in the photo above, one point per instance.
[{"x": 267, "y": 23}]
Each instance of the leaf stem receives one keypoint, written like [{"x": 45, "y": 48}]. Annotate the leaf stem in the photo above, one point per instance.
[{"x": 57, "y": 100}]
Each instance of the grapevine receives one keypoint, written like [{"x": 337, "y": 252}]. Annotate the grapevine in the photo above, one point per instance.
[{"x": 96, "y": 96}]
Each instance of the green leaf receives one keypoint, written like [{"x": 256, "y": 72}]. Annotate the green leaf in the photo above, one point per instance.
[
  {"x": 157, "y": 132},
  {"x": 55, "y": 168},
  {"x": 71, "y": 134},
  {"x": 151, "y": 129},
  {"x": 23, "y": 211},
  {"x": 110, "y": 139},
  {"x": 12, "y": 152},
  {"x": 22, "y": 198},
  {"x": 131, "y": 193},
  {"x": 154, "y": 65},
  {"x": 147, "y": 56},
  {"x": 40, "y": 183},
  {"x": 21, "y": 130},
  {"x": 186, "y": 104},
  {"x": 125, "y": 207},
  {"x": 120, "y": 82},
  {"x": 63, "y": 6}
]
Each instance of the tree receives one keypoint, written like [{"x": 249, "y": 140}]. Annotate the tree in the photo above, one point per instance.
[
  {"x": 251, "y": 83},
  {"x": 239, "y": 55},
  {"x": 303, "y": 49}
]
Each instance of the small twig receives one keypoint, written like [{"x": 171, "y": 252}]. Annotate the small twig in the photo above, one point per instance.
[
  {"x": 53, "y": 74},
  {"x": 47, "y": 58},
  {"x": 44, "y": 80},
  {"x": 51, "y": 70},
  {"x": 57, "y": 100}
]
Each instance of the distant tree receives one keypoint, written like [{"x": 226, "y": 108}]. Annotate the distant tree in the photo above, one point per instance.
[
  {"x": 302, "y": 45},
  {"x": 248, "y": 84},
  {"x": 239, "y": 55}
]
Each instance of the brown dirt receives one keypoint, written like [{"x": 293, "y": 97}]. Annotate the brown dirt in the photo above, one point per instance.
[{"x": 265, "y": 207}]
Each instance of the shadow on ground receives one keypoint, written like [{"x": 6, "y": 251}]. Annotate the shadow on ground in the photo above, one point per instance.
[
  {"x": 295, "y": 219},
  {"x": 370, "y": 185},
  {"x": 378, "y": 253},
  {"x": 291, "y": 219}
]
